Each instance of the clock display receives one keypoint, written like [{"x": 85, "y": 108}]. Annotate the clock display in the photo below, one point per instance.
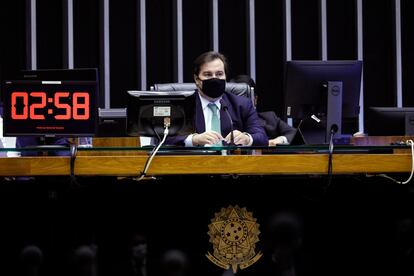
[
  {"x": 52, "y": 109},
  {"x": 77, "y": 109}
]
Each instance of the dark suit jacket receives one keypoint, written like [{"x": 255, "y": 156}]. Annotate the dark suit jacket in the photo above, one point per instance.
[
  {"x": 244, "y": 118},
  {"x": 274, "y": 126}
]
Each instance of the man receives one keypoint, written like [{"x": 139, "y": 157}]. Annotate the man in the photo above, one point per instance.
[
  {"x": 278, "y": 131},
  {"x": 218, "y": 113}
]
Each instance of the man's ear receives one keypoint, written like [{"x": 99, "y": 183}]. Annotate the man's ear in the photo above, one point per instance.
[{"x": 197, "y": 81}]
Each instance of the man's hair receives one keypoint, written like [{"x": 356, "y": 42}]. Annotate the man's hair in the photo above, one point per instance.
[
  {"x": 244, "y": 79},
  {"x": 208, "y": 57}
]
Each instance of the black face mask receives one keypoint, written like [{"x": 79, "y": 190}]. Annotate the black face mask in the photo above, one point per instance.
[{"x": 214, "y": 87}]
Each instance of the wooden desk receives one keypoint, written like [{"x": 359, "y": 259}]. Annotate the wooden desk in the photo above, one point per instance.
[
  {"x": 378, "y": 140},
  {"x": 123, "y": 165}
]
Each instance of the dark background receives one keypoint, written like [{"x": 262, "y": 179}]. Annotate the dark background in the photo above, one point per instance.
[
  {"x": 378, "y": 41},
  {"x": 351, "y": 226},
  {"x": 350, "y": 231}
]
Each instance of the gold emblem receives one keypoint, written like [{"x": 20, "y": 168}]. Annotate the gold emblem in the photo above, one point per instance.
[{"x": 234, "y": 234}]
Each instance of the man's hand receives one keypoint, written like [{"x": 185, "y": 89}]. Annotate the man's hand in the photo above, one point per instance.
[
  {"x": 276, "y": 141},
  {"x": 240, "y": 138},
  {"x": 207, "y": 138}
]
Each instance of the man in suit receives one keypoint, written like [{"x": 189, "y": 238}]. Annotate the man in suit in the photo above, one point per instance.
[
  {"x": 221, "y": 118},
  {"x": 278, "y": 131}
]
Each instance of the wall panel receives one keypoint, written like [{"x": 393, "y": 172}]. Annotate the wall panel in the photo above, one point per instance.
[
  {"x": 160, "y": 48},
  {"x": 379, "y": 55},
  {"x": 196, "y": 33},
  {"x": 379, "y": 49},
  {"x": 407, "y": 34},
  {"x": 50, "y": 49},
  {"x": 86, "y": 33},
  {"x": 305, "y": 29},
  {"x": 123, "y": 50},
  {"x": 269, "y": 55},
  {"x": 341, "y": 29},
  {"x": 125, "y": 69},
  {"x": 233, "y": 39},
  {"x": 13, "y": 30}
]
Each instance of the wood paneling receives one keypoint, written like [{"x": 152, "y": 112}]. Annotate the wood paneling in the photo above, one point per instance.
[{"x": 234, "y": 164}]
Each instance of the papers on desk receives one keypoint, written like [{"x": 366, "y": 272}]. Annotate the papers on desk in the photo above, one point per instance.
[{"x": 7, "y": 142}]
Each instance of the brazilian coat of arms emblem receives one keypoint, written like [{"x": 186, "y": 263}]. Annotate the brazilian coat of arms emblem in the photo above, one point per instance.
[{"x": 234, "y": 233}]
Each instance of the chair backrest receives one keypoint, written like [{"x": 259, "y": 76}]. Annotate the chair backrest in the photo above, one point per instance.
[{"x": 241, "y": 89}]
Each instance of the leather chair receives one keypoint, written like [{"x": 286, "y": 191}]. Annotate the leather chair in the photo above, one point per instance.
[{"x": 241, "y": 89}]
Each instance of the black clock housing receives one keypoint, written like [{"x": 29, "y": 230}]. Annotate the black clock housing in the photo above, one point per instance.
[{"x": 51, "y": 103}]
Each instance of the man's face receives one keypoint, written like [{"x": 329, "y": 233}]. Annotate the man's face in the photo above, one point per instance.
[{"x": 212, "y": 69}]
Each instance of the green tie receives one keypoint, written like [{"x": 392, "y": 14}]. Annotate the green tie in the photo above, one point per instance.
[{"x": 215, "y": 121}]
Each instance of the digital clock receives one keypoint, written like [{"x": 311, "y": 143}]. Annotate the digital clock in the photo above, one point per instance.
[
  {"x": 64, "y": 108},
  {"x": 69, "y": 106}
]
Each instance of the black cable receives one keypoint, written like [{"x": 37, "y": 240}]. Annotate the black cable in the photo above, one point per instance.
[
  {"x": 73, "y": 152},
  {"x": 334, "y": 129}
]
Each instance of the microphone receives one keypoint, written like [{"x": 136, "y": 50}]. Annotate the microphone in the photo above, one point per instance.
[
  {"x": 334, "y": 129},
  {"x": 225, "y": 108},
  {"x": 332, "y": 132}
]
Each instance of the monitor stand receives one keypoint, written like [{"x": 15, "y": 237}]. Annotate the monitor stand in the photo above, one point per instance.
[{"x": 334, "y": 108}]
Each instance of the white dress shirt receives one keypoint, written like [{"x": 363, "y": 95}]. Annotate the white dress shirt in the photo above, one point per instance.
[{"x": 207, "y": 119}]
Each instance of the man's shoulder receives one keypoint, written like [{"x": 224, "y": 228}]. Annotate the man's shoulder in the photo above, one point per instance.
[{"x": 268, "y": 115}]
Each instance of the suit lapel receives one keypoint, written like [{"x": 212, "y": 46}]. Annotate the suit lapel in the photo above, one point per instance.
[{"x": 200, "y": 124}]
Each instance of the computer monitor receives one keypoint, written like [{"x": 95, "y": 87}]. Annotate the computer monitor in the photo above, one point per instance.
[
  {"x": 327, "y": 89},
  {"x": 51, "y": 102},
  {"x": 112, "y": 122},
  {"x": 149, "y": 111},
  {"x": 390, "y": 121}
]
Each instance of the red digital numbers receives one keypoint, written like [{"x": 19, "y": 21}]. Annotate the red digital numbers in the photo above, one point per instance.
[
  {"x": 80, "y": 106},
  {"x": 35, "y": 106},
  {"x": 25, "y": 98},
  {"x": 66, "y": 108}
]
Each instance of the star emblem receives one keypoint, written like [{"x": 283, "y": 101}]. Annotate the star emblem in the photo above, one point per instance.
[{"x": 234, "y": 233}]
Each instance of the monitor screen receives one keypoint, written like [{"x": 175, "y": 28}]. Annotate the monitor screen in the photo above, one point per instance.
[
  {"x": 149, "y": 111},
  {"x": 390, "y": 121},
  {"x": 60, "y": 102},
  {"x": 327, "y": 89}
]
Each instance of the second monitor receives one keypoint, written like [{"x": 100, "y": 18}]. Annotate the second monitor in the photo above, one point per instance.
[
  {"x": 149, "y": 112},
  {"x": 327, "y": 89}
]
